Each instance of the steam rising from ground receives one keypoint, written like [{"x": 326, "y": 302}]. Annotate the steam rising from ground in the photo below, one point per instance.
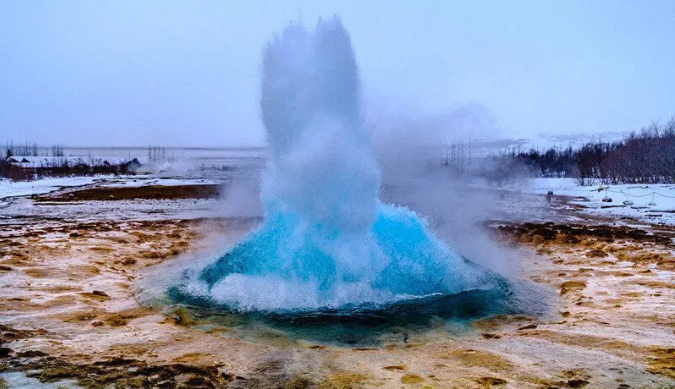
[
  {"x": 408, "y": 149},
  {"x": 327, "y": 240}
]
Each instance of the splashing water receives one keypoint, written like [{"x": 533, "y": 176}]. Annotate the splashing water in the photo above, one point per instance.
[{"x": 326, "y": 240}]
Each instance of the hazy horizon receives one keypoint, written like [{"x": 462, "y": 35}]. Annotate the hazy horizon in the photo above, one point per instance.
[{"x": 130, "y": 74}]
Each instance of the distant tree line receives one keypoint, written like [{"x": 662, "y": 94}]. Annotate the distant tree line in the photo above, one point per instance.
[
  {"x": 156, "y": 153},
  {"x": 458, "y": 158},
  {"x": 26, "y": 149},
  {"x": 644, "y": 157},
  {"x": 63, "y": 168}
]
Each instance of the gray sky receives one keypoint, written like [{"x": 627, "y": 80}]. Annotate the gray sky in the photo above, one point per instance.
[{"x": 187, "y": 73}]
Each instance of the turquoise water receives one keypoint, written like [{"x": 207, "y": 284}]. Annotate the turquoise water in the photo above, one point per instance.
[{"x": 282, "y": 270}]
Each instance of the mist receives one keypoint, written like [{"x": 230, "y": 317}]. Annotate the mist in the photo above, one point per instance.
[{"x": 411, "y": 150}]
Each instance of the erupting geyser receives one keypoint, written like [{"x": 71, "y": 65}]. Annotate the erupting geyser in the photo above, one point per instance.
[{"x": 326, "y": 241}]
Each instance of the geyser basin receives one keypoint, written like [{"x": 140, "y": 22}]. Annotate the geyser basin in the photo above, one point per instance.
[
  {"x": 364, "y": 324},
  {"x": 328, "y": 251}
]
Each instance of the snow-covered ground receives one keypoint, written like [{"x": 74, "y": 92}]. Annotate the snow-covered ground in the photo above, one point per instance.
[
  {"x": 47, "y": 185},
  {"x": 12, "y": 205},
  {"x": 15, "y": 203},
  {"x": 42, "y": 186},
  {"x": 25, "y": 210},
  {"x": 653, "y": 204},
  {"x": 147, "y": 180}
]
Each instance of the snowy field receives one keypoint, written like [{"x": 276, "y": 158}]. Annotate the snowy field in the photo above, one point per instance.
[
  {"x": 147, "y": 180},
  {"x": 653, "y": 204},
  {"x": 15, "y": 200},
  {"x": 48, "y": 185}
]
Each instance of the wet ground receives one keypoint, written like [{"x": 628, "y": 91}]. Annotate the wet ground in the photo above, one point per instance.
[
  {"x": 69, "y": 314},
  {"x": 202, "y": 191}
]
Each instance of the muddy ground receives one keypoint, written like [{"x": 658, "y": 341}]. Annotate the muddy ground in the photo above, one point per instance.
[
  {"x": 199, "y": 191},
  {"x": 68, "y": 315}
]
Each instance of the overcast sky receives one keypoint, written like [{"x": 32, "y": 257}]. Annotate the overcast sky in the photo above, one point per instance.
[{"x": 187, "y": 73}]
